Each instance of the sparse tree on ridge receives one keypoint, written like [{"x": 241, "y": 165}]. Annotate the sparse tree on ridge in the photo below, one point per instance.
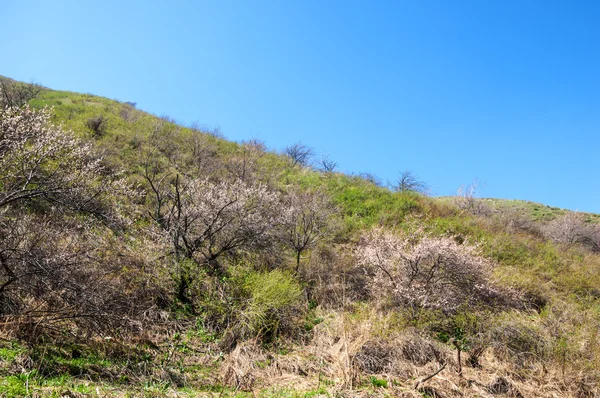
[
  {"x": 407, "y": 181},
  {"x": 328, "y": 165},
  {"x": 299, "y": 154}
]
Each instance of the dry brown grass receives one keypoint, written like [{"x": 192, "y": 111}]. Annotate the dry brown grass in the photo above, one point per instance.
[{"x": 348, "y": 349}]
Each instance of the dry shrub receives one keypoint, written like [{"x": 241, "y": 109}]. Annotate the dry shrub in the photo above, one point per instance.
[
  {"x": 389, "y": 354},
  {"x": 573, "y": 228},
  {"x": 499, "y": 386},
  {"x": 241, "y": 367},
  {"x": 516, "y": 219},
  {"x": 202, "y": 157},
  {"x": 129, "y": 113},
  {"x": 431, "y": 392},
  {"x": 466, "y": 200},
  {"x": 518, "y": 342},
  {"x": 98, "y": 125},
  {"x": 244, "y": 165},
  {"x": 587, "y": 387},
  {"x": 335, "y": 343},
  {"x": 375, "y": 357},
  {"x": 333, "y": 278},
  {"x": 420, "y": 351}
]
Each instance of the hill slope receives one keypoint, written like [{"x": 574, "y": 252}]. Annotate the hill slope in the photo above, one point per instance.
[{"x": 141, "y": 257}]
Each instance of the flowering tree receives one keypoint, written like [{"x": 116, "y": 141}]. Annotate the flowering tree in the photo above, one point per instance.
[
  {"x": 205, "y": 219},
  {"x": 42, "y": 161},
  {"x": 426, "y": 271},
  {"x": 47, "y": 272}
]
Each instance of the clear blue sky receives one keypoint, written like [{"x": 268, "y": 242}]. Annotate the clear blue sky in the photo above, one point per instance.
[{"x": 507, "y": 92}]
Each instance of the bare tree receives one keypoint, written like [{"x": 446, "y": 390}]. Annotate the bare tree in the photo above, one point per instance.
[
  {"x": 299, "y": 154},
  {"x": 305, "y": 218},
  {"x": 407, "y": 181},
  {"x": 328, "y": 165},
  {"x": 245, "y": 163}
]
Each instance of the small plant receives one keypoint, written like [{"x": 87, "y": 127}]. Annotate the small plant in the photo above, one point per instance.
[
  {"x": 379, "y": 383},
  {"x": 317, "y": 392}
]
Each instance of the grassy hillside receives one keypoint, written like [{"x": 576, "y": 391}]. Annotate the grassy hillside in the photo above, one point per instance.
[{"x": 164, "y": 260}]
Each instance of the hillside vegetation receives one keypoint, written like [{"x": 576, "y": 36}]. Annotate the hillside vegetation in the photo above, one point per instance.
[{"x": 139, "y": 257}]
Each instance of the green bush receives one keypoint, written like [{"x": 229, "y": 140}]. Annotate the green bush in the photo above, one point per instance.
[{"x": 272, "y": 299}]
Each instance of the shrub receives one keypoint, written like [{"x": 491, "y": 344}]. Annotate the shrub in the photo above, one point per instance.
[
  {"x": 573, "y": 228},
  {"x": 272, "y": 299},
  {"x": 98, "y": 125}
]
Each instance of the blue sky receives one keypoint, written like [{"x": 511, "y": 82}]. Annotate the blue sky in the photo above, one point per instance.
[{"x": 506, "y": 92}]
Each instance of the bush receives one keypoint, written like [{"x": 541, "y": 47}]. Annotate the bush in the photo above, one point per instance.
[
  {"x": 97, "y": 125},
  {"x": 427, "y": 271},
  {"x": 573, "y": 228},
  {"x": 271, "y": 303}
]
